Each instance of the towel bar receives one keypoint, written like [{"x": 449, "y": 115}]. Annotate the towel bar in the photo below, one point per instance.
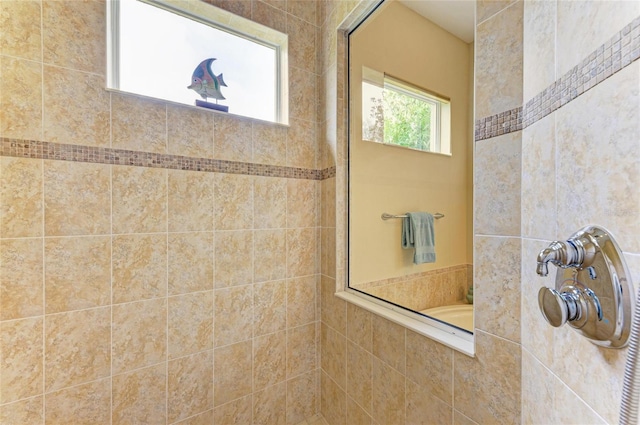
[{"x": 387, "y": 216}]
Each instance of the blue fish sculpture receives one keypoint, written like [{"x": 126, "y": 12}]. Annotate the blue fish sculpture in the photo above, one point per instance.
[{"x": 205, "y": 83}]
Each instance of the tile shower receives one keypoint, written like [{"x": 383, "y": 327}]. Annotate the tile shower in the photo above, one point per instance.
[{"x": 158, "y": 264}]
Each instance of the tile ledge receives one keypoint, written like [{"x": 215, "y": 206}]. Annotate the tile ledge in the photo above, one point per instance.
[{"x": 444, "y": 334}]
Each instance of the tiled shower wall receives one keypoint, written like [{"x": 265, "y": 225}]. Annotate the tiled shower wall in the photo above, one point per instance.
[
  {"x": 134, "y": 288},
  {"x": 557, "y": 106}
]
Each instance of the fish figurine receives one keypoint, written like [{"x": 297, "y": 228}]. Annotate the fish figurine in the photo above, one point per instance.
[{"x": 205, "y": 83}]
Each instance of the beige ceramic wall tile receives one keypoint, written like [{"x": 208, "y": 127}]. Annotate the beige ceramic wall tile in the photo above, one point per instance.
[
  {"x": 240, "y": 8},
  {"x": 334, "y": 310},
  {"x": 232, "y": 139},
  {"x": 301, "y": 350},
  {"x": 301, "y": 203},
  {"x": 85, "y": 404},
  {"x": 233, "y": 312},
  {"x": 460, "y": 419},
  {"x": 232, "y": 376},
  {"x": 279, "y": 4},
  {"x": 76, "y": 108},
  {"x": 487, "y": 8},
  {"x": 497, "y": 189},
  {"x": 497, "y": 290},
  {"x": 139, "y": 334},
  {"x": 303, "y": 9},
  {"x": 239, "y": 411},
  {"x": 302, "y": 94},
  {"x": 301, "y": 301},
  {"x": 233, "y": 258},
  {"x": 583, "y": 27},
  {"x": 538, "y": 383},
  {"x": 21, "y": 29},
  {"x": 333, "y": 355},
  {"x": 190, "y": 386},
  {"x": 140, "y": 395},
  {"x": 190, "y": 324},
  {"x": 488, "y": 387},
  {"x": 21, "y": 100},
  {"x": 205, "y": 418},
  {"x": 359, "y": 326},
  {"x": 76, "y": 197},
  {"x": 269, "y": 144},
  {"x": 430, "y": 365},
  {"x": 537, "y": 334},
  {"x": 333, "y": 401},
  {"x": 190, "y": 201},
  {"x": 21, "y": 197},
  {"x": 21, "y": 361},
  {"x": 270, "y": 261},
  {"x": 301, "y": 397},
  {"x": 270, "y": 203},
  {"x": 301, "y": 144},
  {"x": 27, "y": 411},
  {"x": 139, "y": 264},
  {"x": 138, "y": 123},
  {"x": 302, "y": 44},
  {"x": 498, "y": 65},
  {"x": 270, "y": 307},
  {"x": 74, "y": 34},
  {"x": 568, "y": 408},
  {"x": 359, "y": 375},
  {"x": 597, "y": 382},
  {"x": 189, "y": 132},
  {"x": 301, "y": 260},
  {"x": 21, "y": 278},
  {"x": 389, "y": 393},
  {"x": 265, "y": 14},
  {"x": 77, "y": 273},
  {"x": 539, "y": 47},
  {"x": 609, "y": 189},
  {"x": 269, "y": 360},
  {"x": 139, "y": 200},
  {"x": 389, "y": 342},
  {"x": 190, "y": 262},
  {"x": 356, "y": 415},
  {"x": 77, "y": 347},
  {"x": 538, "y": 169},
  {"x": 269, "y": 405},
  {"x": 422, "y": 407},
  {"x": 233, "y": 195}
]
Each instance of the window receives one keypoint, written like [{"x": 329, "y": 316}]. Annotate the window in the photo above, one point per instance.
[
  {"x": 156, "y": 48},
  {"x": 397, "y": 113}
]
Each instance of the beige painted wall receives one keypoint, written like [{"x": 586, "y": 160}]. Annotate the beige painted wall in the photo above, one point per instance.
[{"x": 401, "y": 43}]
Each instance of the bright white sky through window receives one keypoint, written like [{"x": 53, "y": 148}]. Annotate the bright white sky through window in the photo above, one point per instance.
[{"x": 159, "y": 50}]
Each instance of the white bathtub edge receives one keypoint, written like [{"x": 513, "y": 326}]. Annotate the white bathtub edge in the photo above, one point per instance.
[{"x": 451, "y": 337}]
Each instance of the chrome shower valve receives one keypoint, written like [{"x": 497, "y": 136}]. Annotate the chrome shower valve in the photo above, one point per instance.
[{"x": 592, "y": 291}]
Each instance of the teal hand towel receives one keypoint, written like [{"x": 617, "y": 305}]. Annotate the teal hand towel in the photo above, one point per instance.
[{"x": 417, "y": 233}]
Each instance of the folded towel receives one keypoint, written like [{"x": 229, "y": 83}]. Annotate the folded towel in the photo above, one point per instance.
[{"x": 417, "y": 233}]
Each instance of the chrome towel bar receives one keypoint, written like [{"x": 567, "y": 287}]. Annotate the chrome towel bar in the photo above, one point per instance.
[{"x": 387, "y": 216}]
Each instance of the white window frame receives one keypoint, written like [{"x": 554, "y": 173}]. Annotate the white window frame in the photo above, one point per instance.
[
  {"x": 220, "y": 19},
  {"x": 440, "y": 120}
]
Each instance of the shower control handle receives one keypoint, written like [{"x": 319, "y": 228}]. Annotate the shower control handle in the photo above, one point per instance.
[{"x": 559, "y": 308}]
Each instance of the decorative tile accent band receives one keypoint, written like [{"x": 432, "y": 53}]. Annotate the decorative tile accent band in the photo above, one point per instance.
[
  {"x": 63, "y": 152},
  {"x": 496, "y": 125},
  {"x": 615, "y": 54}
]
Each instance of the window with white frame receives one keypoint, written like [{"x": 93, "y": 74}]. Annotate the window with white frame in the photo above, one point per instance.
[
  {"x": 157, "y": 48},
  {"x": 398, "y": 113}
]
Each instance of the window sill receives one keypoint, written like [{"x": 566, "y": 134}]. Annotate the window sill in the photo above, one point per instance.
[{"x": 444, "y": 334}]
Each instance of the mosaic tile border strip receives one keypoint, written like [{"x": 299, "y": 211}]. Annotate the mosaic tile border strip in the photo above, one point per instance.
[
  {"x": 79, "y": 153},
  {"x": 615, "y": 54}
]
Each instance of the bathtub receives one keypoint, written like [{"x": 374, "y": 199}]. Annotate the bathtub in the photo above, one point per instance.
[{"x": 460, "y": 315}]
